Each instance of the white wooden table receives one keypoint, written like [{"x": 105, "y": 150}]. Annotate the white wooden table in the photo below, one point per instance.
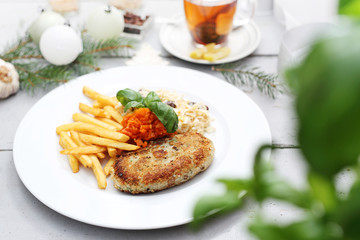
[{"x": 22, "y": 216}]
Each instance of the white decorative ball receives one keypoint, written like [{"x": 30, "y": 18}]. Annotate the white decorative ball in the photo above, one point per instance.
[
  {"x": 105, "y": 22},
  {"x": 45, "y": 20},
  {"x": 60, "y": 45}
]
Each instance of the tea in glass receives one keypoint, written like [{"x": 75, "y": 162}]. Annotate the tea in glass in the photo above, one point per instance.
[{"x": 209, "y": 21}]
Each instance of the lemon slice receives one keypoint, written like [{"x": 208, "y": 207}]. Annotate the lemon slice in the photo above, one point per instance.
[
  {"x": 220, "y": 53},
  {"x": 198, "y": 53},
  {"x": 210, "y": 53}
]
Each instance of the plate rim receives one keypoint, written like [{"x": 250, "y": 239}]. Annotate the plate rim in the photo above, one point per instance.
[{"x": 115, "y": 226}]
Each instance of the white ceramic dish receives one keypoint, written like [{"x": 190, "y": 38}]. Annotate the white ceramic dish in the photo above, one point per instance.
[
  {"x": 176, "y": 39},
  {"x": 240, "y": 128}
]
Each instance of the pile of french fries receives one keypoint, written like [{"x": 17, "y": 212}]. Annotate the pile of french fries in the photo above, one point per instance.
[{"x": 94, "y": 135}]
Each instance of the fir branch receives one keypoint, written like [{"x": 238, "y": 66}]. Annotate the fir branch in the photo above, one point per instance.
[
  {"x": 22, "y": 42},
  {"x": 23, "y": 48},
  {"x": 113, "y": 47},
  {"x": 95, "y": 68},
  {"x": 8, "y": 59},
  {"x": 35, "y": 72},
  {"x": 107, "y": 49},
  {"x": 241, "y": 75},
  {"x": 41, "y": 75}
]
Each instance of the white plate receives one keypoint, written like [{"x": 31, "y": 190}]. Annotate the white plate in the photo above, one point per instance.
[
  {"x": 176, "y": 39},
  {"x": 240, "y": 128}
]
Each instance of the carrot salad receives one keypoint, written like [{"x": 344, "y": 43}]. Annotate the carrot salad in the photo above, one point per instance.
[{"x": 141, "y": 125}]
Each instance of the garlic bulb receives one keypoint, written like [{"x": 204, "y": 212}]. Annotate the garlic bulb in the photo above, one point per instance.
[{"x": 9, "y": 79}]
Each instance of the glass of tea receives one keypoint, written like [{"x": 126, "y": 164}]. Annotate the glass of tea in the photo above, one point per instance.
[{"x": 211, "y": 21}]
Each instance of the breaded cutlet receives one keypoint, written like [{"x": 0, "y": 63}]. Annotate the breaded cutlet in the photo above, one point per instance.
[{"x": 164, "y": 163}]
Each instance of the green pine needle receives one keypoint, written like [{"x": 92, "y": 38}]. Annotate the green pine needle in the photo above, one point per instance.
[
  {"x": 241, "y": 75},
  {"x": 35, "y": 72}
]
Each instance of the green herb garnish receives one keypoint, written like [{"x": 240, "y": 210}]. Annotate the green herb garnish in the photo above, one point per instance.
[
  {"x": 128, "y": 95},
  {"x": 166, "y": 114}
]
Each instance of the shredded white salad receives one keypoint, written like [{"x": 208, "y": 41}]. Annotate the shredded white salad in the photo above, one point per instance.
[{"x": 193, "y": 116}]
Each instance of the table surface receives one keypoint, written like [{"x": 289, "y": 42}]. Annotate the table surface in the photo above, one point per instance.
[{"x": 22, "y": 215}]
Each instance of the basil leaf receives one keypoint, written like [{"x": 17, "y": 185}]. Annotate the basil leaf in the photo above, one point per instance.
[
  {"x": 151, "y": 97},
  {"x": 128, "y": 95},
  {"x": 165, "y": 114},
  {"x": 133, "y": 104}
]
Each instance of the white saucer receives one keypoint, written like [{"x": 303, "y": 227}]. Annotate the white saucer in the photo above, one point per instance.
[{"x": 176, "y": 39}]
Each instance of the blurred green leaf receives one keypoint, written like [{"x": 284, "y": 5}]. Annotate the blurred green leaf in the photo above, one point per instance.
[
  {"x": 327, "y": 87},
  {"x": 214, "y": 205},
  {"x": 307, "y": 229},
  {"x": 349, "y": 7},
  {"x": 323, "y": 190},
  {"x": 348, "y": 214},
  {"x": 237, "y": 184},
  {"x": 267, "y": 184}
]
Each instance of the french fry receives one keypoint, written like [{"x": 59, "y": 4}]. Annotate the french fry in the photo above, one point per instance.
[
  {"x": 101, "y": 155},
  {"x": 97, "y": 104},
  {"x": 107, "y": 142},
  {"x": 90, "y": 93},
  {"x": 114, "y": 114},
  {"x": 76, "y": 138},
  {"x": 112, "y": 152},
  {"x": 111, "y": 122},
  {"x": 107, "y": 100},
  {"x": 108, "y": 166},
  {"x": 99, "y": 97},
  {"x": 69, "y": 143},
  {"x": 80, "y": 117},
  {"x": 96, "y": 167},
  {"x": 94, "y": 137},
  {"x": 84, "y": 150},
  {"x": 90, "y": 128},
  {"x": 91, "y": 110},
  {"x": 98, "y": 172},
  {"x": 74, "y": 163}
]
